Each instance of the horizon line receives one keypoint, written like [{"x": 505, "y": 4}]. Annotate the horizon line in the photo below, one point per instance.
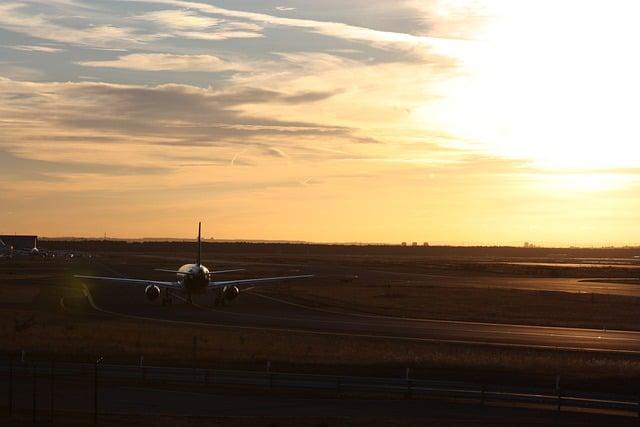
[{"x": 353, "y": 243}]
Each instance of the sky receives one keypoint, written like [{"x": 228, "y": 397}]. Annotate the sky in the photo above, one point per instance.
[{"x": 464, "y": 122}]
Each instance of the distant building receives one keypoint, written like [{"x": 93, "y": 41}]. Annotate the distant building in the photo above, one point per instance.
[
  {"x": 20, "y": 241},
  {"x": 414, "y": 244},
  {"x": 404, "y": 243},
  {"x": 425, "y": 244}
]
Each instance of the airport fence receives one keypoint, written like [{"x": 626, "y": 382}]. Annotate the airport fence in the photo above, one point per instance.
[{"x": 143, "y": 375}]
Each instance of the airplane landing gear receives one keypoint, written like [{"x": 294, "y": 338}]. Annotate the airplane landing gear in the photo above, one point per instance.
[
  {"x": 218, "y": 299},
  {"x": 166, "y": 298}
]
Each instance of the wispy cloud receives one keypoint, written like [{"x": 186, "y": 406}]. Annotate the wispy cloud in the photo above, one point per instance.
[
  {"x": 168, "y": 62},
  {"x": 36, "y": 48},
  {"x": 14, "y": 17},
  {"x": 333, "y": 29},
  {"x": 192, "y": 25}
]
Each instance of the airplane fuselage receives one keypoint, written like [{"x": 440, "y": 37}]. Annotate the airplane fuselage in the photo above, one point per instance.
[{"x": 194, "y": 278}]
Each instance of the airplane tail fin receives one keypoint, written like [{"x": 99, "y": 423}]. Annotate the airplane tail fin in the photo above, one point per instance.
[{"x": 199, "y": 260}]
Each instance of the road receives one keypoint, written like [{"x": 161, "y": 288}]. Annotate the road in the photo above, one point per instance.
[{"x": 254, "y": 311}]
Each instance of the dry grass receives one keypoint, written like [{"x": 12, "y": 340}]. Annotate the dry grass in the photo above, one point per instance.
[
  {"x": 406, "y": 294},
  {"x": 48, "y": 330},
  {"x": 422, "y": 300},
  {"x": 125, "y": 340}
]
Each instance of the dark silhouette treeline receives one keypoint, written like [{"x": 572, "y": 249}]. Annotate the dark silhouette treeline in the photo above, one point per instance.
[{"x": 327, "y": 249}]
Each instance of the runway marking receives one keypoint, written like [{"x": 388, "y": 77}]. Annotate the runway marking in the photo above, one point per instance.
[{"x": 89, "y": 297}]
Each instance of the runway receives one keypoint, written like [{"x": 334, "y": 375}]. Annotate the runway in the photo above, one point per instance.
[
  {"x": 255, "y": 311},
  {"x": 452, "y": 279}
]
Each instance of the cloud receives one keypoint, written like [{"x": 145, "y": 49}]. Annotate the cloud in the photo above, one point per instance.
[
  {"x": 19, "y": 72},
  {"x": 97, "y": 27},
  {"x": 180, "y": 19},
  {"x": 334, "y": 29},
  {"x": 14, "y": 18},
  {"x": 276, "y": 152},
  {"x": 191, "y": 25},
  {"x": 33, "y": 48},
  {"x": 167, "y": 62},
  {"x": 39, "y": 116}
]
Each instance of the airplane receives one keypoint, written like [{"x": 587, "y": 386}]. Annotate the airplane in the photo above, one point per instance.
[
  {"x": 34, "y": 251},
  {"x": 9, "y": 252},
  {"x": 195, "y": 279},
  {"x": 5, "y": 250}
]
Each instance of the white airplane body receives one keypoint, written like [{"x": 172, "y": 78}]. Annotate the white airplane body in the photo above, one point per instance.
[
  {"x": 11, "y": 252},
  {"x": 192, "y": 279},
  {"x": 8, "y": 251}
]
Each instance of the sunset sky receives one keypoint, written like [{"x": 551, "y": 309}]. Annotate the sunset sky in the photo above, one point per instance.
[{"x": 447, "y": 121}]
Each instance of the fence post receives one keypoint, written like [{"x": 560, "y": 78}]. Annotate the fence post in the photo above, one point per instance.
[
  {"x": 34, "y": 393},
  {"x": 95, "y": 391},
  {"x": 484, "y": 394},
  {"x": 195, "y": 353},
  {"x": 409, "y": 390},
  {"x": 143, "y": 370},
  {"x": 339, "y": 385},
  {"x": 558, "y": 392},
  {"x": 52, "y": 390},
  {"x": 269, "y": 373},
  {"x": 11, "y": 387}
]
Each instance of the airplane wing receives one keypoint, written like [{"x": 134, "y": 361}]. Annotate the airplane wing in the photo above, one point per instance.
[
  {"x": 255, "y": 282},
  {"x": 168, "y": 285}
]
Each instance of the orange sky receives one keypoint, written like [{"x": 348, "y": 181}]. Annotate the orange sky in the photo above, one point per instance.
[{"x": 459, "y": 121}]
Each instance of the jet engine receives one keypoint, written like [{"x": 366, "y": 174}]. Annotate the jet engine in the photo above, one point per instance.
[
  {"x": 152, "y": 292},
  {"x": 231, "y": 293}
]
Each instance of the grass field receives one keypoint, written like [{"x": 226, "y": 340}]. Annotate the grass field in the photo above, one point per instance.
[
  {"x": 65, "y": 336},
  {"x": 395, "y": 286},
  {"x": 32, "y": 319},
  {"x": 419, "y": 300}
]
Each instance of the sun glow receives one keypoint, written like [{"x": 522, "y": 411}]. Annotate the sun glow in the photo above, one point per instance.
[{"x": 552, "y": 82}]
